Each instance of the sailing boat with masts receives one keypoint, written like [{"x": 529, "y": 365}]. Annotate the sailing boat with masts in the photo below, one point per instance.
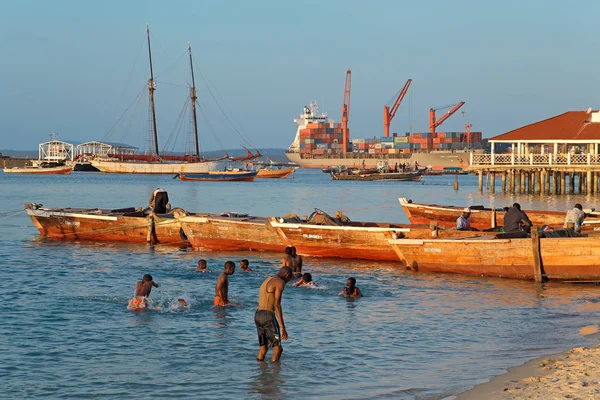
[{"x": 156, "y": 163}]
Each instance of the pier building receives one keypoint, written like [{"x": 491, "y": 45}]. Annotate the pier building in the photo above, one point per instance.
[{"x": 557, "y": 155}]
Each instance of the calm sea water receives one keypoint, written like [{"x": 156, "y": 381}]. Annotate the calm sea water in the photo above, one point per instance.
[{"x": 66, "y": 333}]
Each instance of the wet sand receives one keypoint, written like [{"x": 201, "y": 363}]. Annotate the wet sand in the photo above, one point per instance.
[{"x": 574, "y": 374}]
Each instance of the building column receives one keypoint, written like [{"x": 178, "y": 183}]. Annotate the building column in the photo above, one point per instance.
[
  {"x": 480, "y": 181},
  {"x": 555, "y": 148}
]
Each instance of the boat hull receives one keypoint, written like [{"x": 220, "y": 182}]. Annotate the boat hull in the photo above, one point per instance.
[
  {"x": 567, "y": 259},
  {"x": 104, "y": 225},
  {"x": 39, "y": 170},
  {"x": 275, "y": 173},
  {"x": 218, "y": 233},
  {"x": 122, "y": 167},
  {"x": 388, "y": 176},
  {"x": 457, "y": 159},
  {"x": 483, "y": 218},
  {"x": 225, "y": 176}
]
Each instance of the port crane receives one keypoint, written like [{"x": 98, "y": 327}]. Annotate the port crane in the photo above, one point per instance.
[
  {"x": 433, "y": 123},
  {"x": 346, "y": 110},
  {"x": 390, "y": 112}
]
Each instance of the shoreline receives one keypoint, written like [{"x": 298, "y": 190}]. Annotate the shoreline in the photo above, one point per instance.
[{"x": 574, "y": 373}]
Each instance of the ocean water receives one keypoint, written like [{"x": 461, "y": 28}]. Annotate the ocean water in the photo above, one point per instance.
[{"x": 65, "y": 331}]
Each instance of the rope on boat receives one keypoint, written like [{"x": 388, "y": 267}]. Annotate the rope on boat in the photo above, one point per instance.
[{"x": 12, "y": 214}]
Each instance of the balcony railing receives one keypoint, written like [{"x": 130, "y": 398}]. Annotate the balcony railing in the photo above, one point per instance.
[{"x": 533, "y": 159}]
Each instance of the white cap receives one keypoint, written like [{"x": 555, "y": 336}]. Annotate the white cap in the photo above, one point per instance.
[{"x": 467, "y": 209}]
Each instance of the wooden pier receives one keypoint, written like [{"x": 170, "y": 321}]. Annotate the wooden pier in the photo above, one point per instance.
[{"x": 538, "y": 173}]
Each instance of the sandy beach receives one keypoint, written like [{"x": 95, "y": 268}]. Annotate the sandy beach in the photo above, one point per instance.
[{"x": 574, "y": 374}]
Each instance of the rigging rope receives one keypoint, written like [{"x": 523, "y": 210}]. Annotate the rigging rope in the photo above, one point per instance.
[{"x": 110, "y": 131}]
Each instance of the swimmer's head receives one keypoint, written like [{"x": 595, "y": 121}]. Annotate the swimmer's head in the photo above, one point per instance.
[
  {"x": 229, "y": 267},
  {"x": 147, "y": 278},
  {"x": 288, "y": 251},
  {"x": 293, "y": 249},
  {"x": 351, "y": 282},
  {"x": 286, "y": 274},
  {"x": 244, "y": 264},
  {"x": 201, "y": 264},
  {"x": 306, "y": 277},
  {"x": 182, "y": 302}
]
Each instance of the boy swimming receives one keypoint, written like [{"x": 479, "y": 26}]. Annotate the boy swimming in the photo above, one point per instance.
[
  {"x": 201, "y": 266},
  {"x": 142, "y": 292},
  {"x": 351, "y": 290},
  {"x": 306, "y": 280}
]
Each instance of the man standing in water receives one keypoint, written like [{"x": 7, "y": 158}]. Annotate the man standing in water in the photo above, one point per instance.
[
  {"x": 222, "y": 288},
  {"x": 142, "y": 292},
  {"x": 297, "y": 262},
  {"x": 269, "y": 312}
]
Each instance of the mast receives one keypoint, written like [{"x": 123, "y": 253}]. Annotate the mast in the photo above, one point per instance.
[
  {"x": 151, "y": 89},
  {"x": 194, "y": 97}
]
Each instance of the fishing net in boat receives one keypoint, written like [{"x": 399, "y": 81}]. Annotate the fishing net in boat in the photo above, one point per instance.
[
  {"x": 292, "y": 219},
  {"x": 322, "y": 219}
]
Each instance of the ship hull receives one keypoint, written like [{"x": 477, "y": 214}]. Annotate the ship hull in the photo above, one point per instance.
[
  {"x": 226, "y": 176},
  {"x": 39, "y": 170},
  {"x": 442, "y": 159},
  {"x": 118, "y": 167}
]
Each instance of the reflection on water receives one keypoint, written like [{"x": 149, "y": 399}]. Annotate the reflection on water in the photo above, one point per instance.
[{"x": 413, "y": 335}]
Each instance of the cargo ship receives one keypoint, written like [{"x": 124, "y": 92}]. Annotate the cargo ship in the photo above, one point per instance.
[{"x": 319, "y": 144}]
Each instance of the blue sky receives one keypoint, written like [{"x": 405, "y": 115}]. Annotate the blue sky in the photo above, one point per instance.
[{"x": 74, "y": 67}]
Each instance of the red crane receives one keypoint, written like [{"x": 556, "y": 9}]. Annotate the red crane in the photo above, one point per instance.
[
  {"x": 346, "y": 110},
  {"x": 390, "y": 112},
  {"x": 433, "y": 123}
]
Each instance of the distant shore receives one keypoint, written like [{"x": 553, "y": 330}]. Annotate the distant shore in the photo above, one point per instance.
[{"x": 572, "y": 374}]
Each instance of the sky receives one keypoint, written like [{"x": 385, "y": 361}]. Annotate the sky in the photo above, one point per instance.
[{"x": 77, "y": 67}]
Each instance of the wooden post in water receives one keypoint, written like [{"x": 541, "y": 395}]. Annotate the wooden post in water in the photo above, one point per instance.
[
  {"x": 537, "y": 187},
  {"x": 580, "y": 183},
  {"x": 588, "y": 182},
  {"x": 530, "y": 179},
  {"x": 493, "y": 217},
  {"x": 492, "y": 182},
  {"x": 594, "y": 182},
  {"x": 555, "y": 176},
  {"x": 480, "y": 182},
  {"x": 503, "y": 181},
  {"x": 511, "y": 181},
  {"x": 543, "y": 181},
  {"x": 522, "y": 182},
  {"x": 537, "y": 257},
  {"x": 563, "y": 182},
  {"x": 571, "y": 182}
]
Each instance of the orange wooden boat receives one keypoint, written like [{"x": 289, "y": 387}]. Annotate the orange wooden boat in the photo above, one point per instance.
[
  {"x": 229, "y": 232},
  {"x": 566, "y": 259},
  {"x": 62, "y": 170},
  {"x": 270, "y": 173},
  {"x": 484, "y": 218},
  {"x": 122, "y": 225}
]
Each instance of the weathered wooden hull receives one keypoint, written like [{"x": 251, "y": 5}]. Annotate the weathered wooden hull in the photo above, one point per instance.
[
  {"x": 104, "y": 225},
  {"x": 223, "y": 176},
  {"x": 390, "y": 176},
  {"x": 39, "y": 170},
  {"x": 570, "y": 259},
  {"x": 481, "y": 218},
  {"x": 124, "y": 167},
  {"x": 275, "y": 173},
  {"x": 217, "y": 233}
]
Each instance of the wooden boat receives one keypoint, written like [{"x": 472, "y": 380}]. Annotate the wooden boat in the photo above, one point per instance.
[
  {"x": 271, "y": 173},
  {"x": 484, "y": 218},
  {"x": 62, "y": 170},
  {"x": 376, "y": 176},
  {"x": 567, "y": 259},
  {"x": 122, "y": 225},
  {"x": 350, "y": 239},
  {"x": 229, "y": 232},
  {"x": 220, "y": 176}
]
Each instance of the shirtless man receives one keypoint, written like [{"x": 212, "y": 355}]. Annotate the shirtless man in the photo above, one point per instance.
[
  {"x": 245, "y": 265},
  {"x": 142, "y": 292},
  {"x": 288, "y": 260},
  {"x": 222, "y": 288},
  {"x": 269, "y": 312},
  {"x": 297, "y": 263},
  {"x": 201, "y": 266}
]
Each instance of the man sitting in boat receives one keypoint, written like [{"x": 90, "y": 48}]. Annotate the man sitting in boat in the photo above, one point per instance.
[
  {"x": 158, "y": 201},
  {"x": 575, "y": 217},
  {"x": 142, "y": 292},
  {"x": 515, "y": 220},
  {"x": 462, "y": 223}
]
